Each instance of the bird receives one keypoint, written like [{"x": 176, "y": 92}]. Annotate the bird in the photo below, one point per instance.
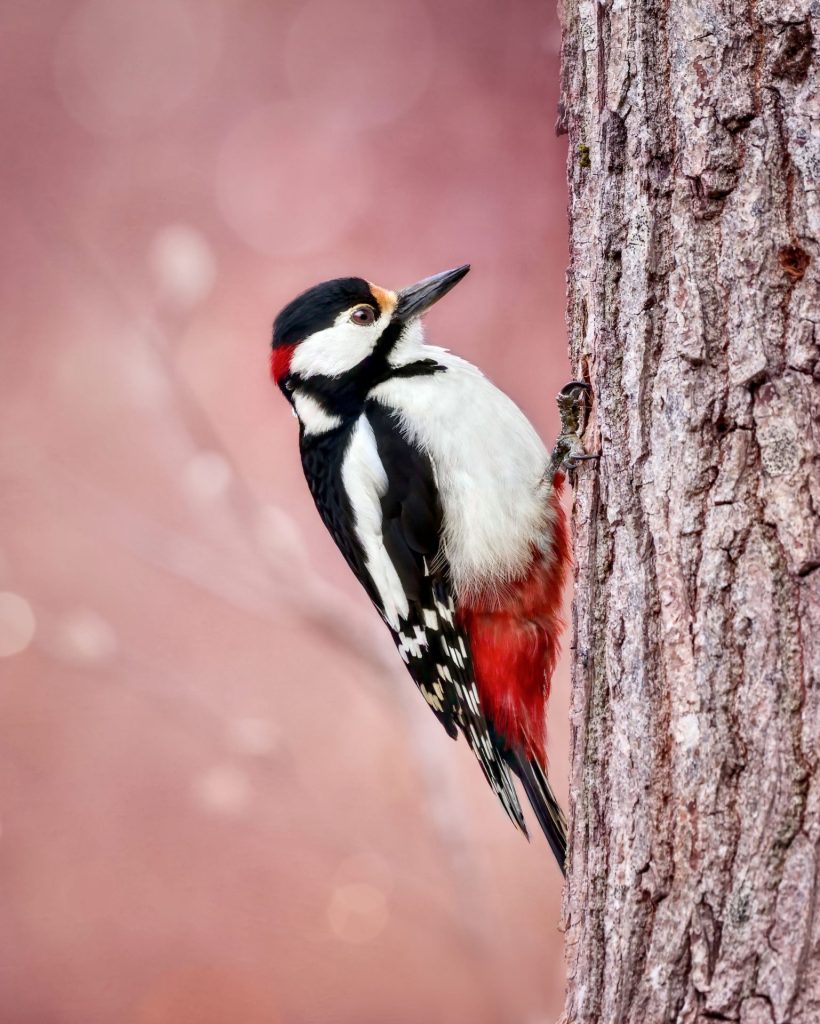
[{"x": 446, "y": 506}]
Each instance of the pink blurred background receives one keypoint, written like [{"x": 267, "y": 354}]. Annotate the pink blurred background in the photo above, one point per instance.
[{"x": 221, "y": 798}]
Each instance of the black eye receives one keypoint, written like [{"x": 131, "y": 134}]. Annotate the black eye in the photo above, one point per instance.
[{"x": 363, "y": 316}]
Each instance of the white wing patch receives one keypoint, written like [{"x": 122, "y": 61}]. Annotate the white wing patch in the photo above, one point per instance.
[{"x": 365, "y": 481}]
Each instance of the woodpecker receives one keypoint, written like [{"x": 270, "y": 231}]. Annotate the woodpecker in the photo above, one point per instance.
[{"x": 446, "y": 505}]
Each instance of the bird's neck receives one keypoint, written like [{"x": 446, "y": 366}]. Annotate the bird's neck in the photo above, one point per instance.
[{"x": 325, "y": 404}]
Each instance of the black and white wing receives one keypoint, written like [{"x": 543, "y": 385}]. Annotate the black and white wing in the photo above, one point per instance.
[{"x": 391, "y": 487}]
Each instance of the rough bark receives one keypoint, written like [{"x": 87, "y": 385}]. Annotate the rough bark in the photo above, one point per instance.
[{"x": 694, "y": 159}]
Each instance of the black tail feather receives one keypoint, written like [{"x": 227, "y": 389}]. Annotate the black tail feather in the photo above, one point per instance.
[{"x": 546, "y": 807}]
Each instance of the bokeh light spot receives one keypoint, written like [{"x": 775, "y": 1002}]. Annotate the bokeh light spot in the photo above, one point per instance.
[
  {"x": 357, "y": 912},
  {"x": 223, "y": 789},
  {"x": 84, "y": 636},
  {"x": 17, "y": 624},
  {"x": 206, "y": 476},
  {"x": 183, "y": 264}
]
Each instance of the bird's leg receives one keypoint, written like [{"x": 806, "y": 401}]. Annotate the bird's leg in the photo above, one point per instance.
[{"x": 573, "y": 405}]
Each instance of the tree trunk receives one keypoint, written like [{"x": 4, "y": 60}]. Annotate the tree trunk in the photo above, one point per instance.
[{"x": 694, "y": 161}]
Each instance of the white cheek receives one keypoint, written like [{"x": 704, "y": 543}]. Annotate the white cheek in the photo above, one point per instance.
[{"x": 337, "y": 349}]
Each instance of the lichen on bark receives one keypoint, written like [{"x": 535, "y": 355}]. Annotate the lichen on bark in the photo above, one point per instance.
[{"x": 693, "y": 312}]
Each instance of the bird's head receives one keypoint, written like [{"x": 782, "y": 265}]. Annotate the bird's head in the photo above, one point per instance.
[{"x": 335, "y": 338}]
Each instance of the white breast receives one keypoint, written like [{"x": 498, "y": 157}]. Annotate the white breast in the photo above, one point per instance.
[{"x": 490, "y": 467}]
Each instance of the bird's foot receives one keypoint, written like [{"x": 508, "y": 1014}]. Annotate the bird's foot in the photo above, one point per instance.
[{"x": 574, "y": 400}]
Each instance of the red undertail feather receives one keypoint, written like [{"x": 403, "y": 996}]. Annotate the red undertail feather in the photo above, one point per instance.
[{"x": 514, "y": 640}]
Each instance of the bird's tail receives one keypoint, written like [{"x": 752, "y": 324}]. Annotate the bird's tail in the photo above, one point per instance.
[{"x": 544, "y": 804}]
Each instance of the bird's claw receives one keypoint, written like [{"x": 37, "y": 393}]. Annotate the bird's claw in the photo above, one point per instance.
[
  {"x": 574, "y": 400},
  {"x": 573, "y": 406}
]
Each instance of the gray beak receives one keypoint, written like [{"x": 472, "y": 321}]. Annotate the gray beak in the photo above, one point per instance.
[{"x": 418, "y": 298}]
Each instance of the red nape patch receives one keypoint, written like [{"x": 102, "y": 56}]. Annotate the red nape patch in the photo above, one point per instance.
[
  {"x": 514, "y": 641},
  {"x": 280, "y": 361}
]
